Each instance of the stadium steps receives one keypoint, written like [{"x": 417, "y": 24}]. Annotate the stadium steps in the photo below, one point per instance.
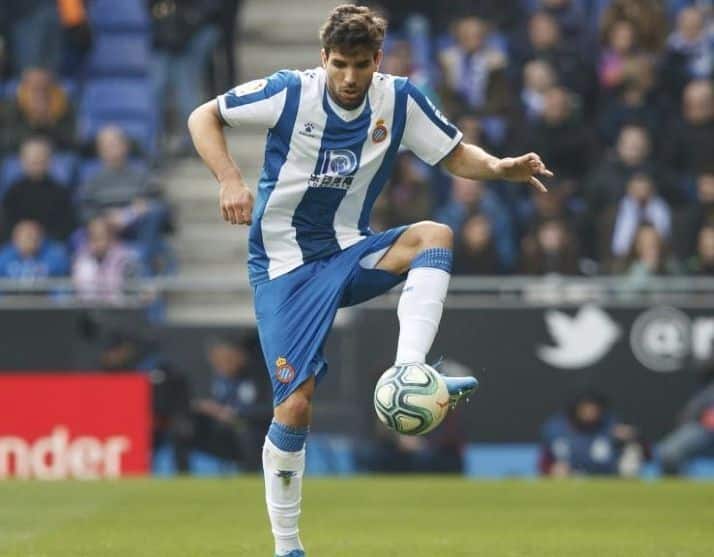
[{"x": 272, "y": 38}]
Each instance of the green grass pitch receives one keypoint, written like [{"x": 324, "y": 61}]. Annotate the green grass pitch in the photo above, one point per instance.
[{"x": 372, "y": 517}]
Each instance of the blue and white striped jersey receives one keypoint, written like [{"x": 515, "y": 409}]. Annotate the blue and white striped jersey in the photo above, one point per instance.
[{"x": 324, "y": 166}]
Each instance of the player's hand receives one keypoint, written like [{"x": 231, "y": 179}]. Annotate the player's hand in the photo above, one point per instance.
[
  {"x": 236, "y": 202},
  {"x": 524, "y": 169}
]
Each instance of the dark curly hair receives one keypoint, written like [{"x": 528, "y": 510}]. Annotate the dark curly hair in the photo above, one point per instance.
[{"x": 349, "y": 28}]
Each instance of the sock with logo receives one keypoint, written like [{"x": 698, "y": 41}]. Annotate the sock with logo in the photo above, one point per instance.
[
  {"x": 283, "y": 468},
  {"x": 421, "y": 303}
]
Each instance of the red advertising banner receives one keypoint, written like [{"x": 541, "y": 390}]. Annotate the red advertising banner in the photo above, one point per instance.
[{"x": 84, "y": 426}]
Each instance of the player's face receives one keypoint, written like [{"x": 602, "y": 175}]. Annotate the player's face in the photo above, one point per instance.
[{"x": 349, "y": 76}]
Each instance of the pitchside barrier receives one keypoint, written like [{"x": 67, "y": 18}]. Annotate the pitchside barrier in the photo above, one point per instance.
[{"x": 534, "y": 344}]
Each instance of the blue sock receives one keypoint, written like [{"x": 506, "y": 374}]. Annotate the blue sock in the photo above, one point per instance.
[
  {"x": 287, "y": 438},
  {"x": 436, "y": 258}
]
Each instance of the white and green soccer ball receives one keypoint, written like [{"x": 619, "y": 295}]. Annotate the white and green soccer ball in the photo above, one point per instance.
[{"x": 411, "y": 399}]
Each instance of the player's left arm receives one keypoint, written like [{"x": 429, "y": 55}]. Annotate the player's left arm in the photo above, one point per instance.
[{"x": 470, "y": 161}]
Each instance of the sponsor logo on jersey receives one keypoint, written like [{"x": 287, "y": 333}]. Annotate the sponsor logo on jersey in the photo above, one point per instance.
[
  {"x": 336, "y": 171},
  {"x": 284, "y": 372},
  {"x": 380, "y": 132}
]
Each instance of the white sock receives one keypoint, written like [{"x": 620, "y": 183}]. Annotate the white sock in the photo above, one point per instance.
[
  {"x": 419, "y": 311},
  {"x": 283, "y": 473}
]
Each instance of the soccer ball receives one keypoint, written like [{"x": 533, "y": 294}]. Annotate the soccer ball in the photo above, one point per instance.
[{"x": 411, "y": 399}]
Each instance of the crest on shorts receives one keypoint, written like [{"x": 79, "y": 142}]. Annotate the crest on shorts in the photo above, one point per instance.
[
  {"x": 380, "y": 132},
  {"x": 284, "y": 372}
]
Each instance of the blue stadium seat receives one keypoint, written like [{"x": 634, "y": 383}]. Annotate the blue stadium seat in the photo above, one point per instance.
[
  {"x": 123, "y": 15},
  {"x": 329, "y": 455},
  {"x": 63, "y": 169},
  {"x": 119, "y": 54},
  {"x": 486, "y": 460},
  {"x": 117, "y": 97},
  {"x": 89, "y": 168}
]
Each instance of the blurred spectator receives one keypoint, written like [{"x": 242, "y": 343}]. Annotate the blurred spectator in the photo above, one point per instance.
[
  {"x": 695, "y": 216},
  {"x": 121, "y": 351},
  {"x": 36, "y": 196},
  {"x": 39, "y": 107},
  {"x": 544, "y": 41},
  {"x": 690, "y": 140},
  {"x": 184, "y": 35},
  {"x": 608, "y": 181},
  {"x": 618, "y": 59},
  {"x": 693, "y": 41},
  {"x": 560, "y": 136},
  {"x": 29, "y": 255},
  {"x": 232, "y": 422},
  {"x": 694, "y": 435},
  {"x": 398, "y": 60},
  {"x": 125, "y": 196},
  {"x": 408, "y": 194},
  {"x": 469, "y": 197},
  {"x": 634, "y": 104},
  {"x": 538, "y": 78},
  {"x": 475, "y": 251},
  {"x": 570, "y": 15},
  {"x": 35, "y": 34},
  {"x": 473, "y": 70},
  {"x": 703, "y": 262},
  {"x": 103, "y": 264},
  {"x": 588, "y": 439},
  {"x": 648, "y": 20},
  {"x": 648, "y": 258},
  {"x": 550, "y": 249},
  {"x": 641, "y": 204}
]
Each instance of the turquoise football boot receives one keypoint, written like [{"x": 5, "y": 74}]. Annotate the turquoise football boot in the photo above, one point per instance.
[
  {"x": 293, "y": 553},
  {"x": 460, "y": 388}
]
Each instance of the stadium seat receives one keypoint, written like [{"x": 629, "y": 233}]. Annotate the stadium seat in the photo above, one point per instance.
[
  {"x": 119, "y": 54},
  {"x": 126, "y": 15},
  {"x": 62, "y": 168},
  {"x": 117, "y": 97},
  {"x": 486, "y": 460}
]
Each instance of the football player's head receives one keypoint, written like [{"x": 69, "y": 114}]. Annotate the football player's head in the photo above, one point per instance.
[{"x": 352, "y": 40}]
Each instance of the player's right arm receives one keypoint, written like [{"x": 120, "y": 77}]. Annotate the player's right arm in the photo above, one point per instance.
[
  {"x": 206, "y": 127},
  {"x": 259, "y": 102}
]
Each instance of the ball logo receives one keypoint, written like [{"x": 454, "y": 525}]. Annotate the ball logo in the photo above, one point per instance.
[
  {"x": 380, "y": 132},
  {"x": 661, "y": 339},
  {"x": 339, "y": 162},
  {"x": 284, "y": 372}
]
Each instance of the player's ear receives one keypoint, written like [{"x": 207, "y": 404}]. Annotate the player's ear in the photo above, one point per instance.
[
  {"x": 378, "y": 56},
  {"x": 323, "y": 56}
]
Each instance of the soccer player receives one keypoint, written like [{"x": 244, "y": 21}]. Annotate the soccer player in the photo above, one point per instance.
[{"x": 332, "y": 136}]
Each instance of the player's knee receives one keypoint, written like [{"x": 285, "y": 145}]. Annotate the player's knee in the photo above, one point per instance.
[
  {"x": 435, "y": 235},
  {"x": 296, "y": 408}
]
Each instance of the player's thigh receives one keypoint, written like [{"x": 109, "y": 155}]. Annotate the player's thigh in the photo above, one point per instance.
[{"x": 417, "y": 237}]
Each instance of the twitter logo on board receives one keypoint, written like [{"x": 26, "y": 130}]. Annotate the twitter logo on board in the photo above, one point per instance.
[{"x": 580, "y": 340}]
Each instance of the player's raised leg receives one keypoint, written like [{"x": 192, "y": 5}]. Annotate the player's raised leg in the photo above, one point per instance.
[
  {"x": 284, "y": 466},
  {"x": 426, "y": 251}
]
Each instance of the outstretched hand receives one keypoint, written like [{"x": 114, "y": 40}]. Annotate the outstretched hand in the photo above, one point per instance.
[{"x": 524, "y": 169}]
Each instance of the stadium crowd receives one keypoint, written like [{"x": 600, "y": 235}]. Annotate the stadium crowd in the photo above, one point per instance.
[
  {"x": 80, "y": 136},
  {"x": 616, "y": 95}
]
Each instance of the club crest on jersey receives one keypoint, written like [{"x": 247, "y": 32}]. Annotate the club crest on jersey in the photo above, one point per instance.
[
  {"x": 284, "y": 372},
  {"x": 380, "y": 132}
]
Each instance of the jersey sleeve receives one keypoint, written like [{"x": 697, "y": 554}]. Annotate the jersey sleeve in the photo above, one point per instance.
[
  {"x": 259, "y": 102},
  {"x": 427, "y": 133}
]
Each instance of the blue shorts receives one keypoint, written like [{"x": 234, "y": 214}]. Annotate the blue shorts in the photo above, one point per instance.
[{"x": 295, "y": 311}]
